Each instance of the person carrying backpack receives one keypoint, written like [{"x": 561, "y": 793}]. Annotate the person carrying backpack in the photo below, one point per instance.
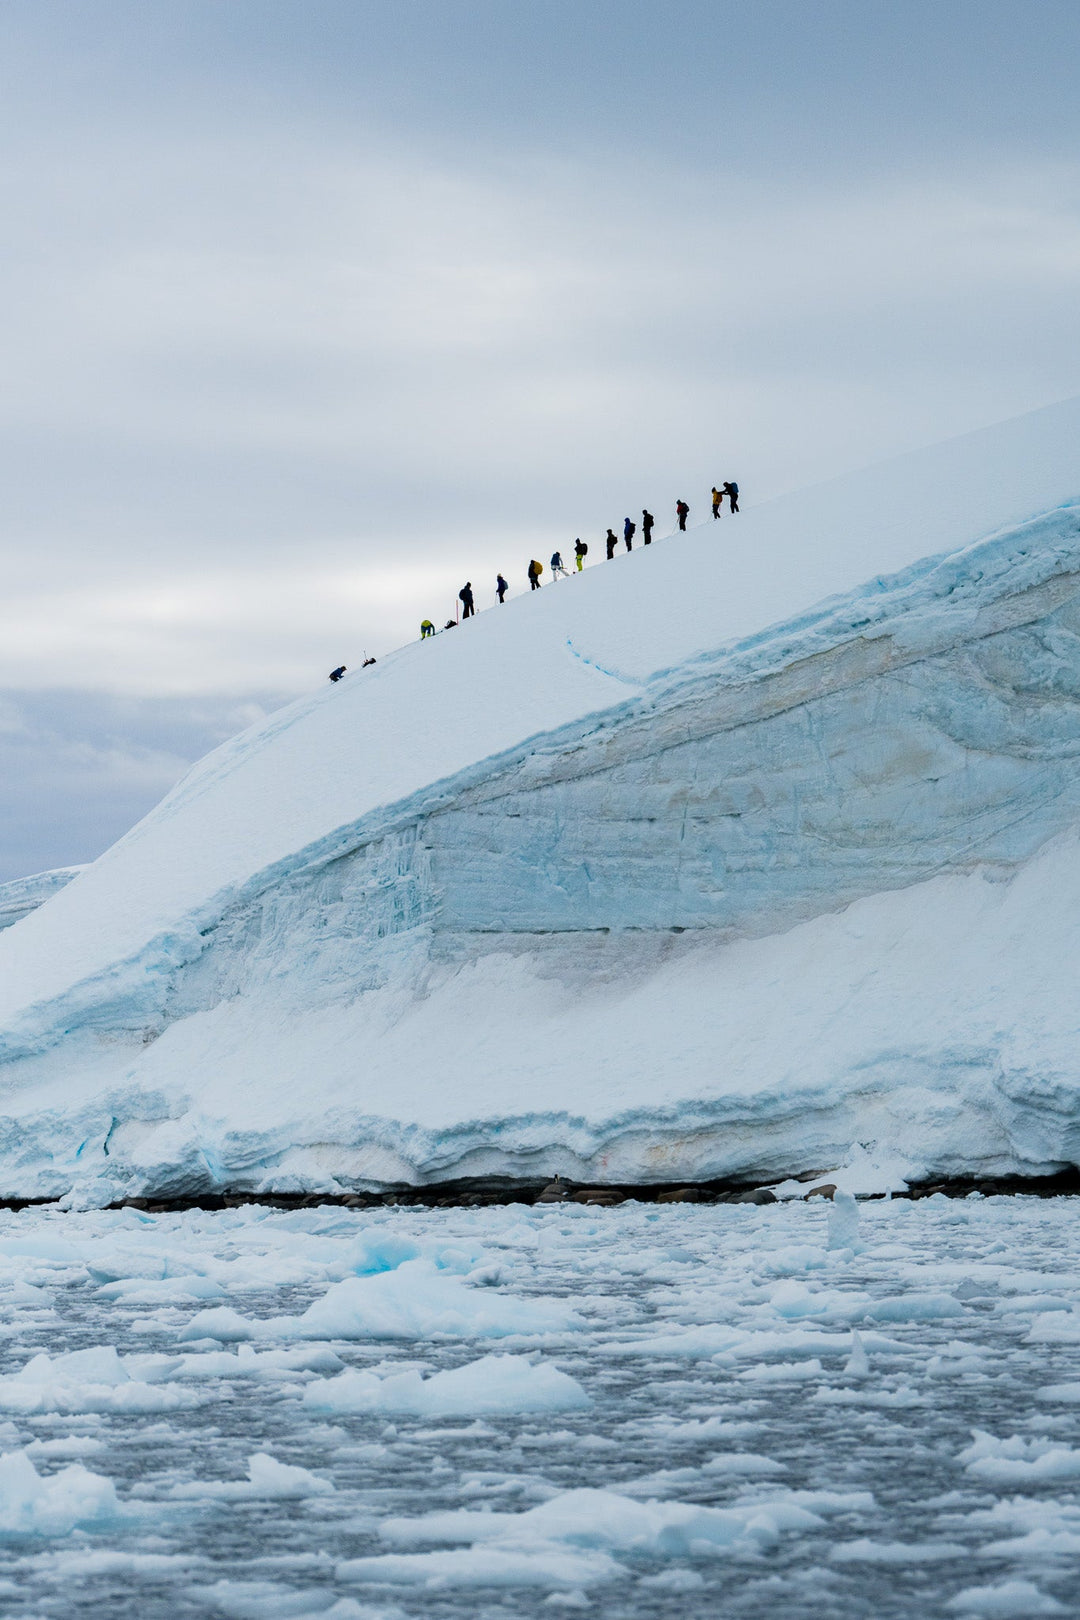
[
  {"x": 426, "y": 629},
  {"x": 683, "y": 513},
  {"x": 628, "y": 531},
  {"x": 717, "y": 497},
  {"x": 647, "y": 521},
  {"x": 581, "y": 551},
  {"x": 611, "y": 544},
  {"x": 732, "y": 493},
  {"x": 535, "y": 570},
  {"x": 557, "y": 566},
  {"x": 465, "y": 597},
  {"x": 501, "y": 588}
]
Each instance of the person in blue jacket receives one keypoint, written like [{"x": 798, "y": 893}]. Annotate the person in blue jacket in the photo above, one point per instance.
[{"x": 628, "y": 531}]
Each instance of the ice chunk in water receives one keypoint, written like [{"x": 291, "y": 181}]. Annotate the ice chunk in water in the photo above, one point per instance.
[
  {"x": 52, "y": 1506},
  {"x": 843, "y": 1221},
  {"x": 489, "y": 1386}
]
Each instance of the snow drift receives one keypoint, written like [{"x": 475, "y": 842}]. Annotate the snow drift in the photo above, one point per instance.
[{"x": 725, "y": 860}]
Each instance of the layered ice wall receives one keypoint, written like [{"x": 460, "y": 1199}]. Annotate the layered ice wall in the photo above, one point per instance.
[
  {"x": 21, "y": 896},
  {"x": 717, "y": 862}
]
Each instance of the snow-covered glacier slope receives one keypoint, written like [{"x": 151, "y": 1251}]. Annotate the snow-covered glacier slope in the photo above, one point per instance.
[{"x": 726, "y": 859}]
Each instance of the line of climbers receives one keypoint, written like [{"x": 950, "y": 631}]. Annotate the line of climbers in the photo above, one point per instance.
[{"x": 581, "y": 551}]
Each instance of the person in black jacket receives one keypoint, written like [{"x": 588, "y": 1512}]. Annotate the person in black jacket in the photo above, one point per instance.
[
  {"x": 647, "y": 521},
  {"x": 628, "y": 530},
  {"x": 501, "y": 588},
  {"x": 535, "y": 570},
  {"x": 611, "y": 544},
  {"x": 581, "y": 551},
  {"x": 465, "y": 597},
  {"x": 683, "y": 512},
  {"x": 732, "y": 492}
]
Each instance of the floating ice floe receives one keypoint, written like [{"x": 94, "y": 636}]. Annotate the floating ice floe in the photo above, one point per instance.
[
  {"x": 492, "y": 1385},
  {"x": 1016, "y": 1461},
  {"x": 576, "y": 1538},
  {"x": 267, "y": 1480},
  {"x": 91, "y": 1380},
  {"x": 55, "y": 1504},
  {"x": 414, "y": 1301}
]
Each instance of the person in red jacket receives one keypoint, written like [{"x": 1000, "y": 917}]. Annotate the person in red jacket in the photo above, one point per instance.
[{"x": 683, "y": 513}]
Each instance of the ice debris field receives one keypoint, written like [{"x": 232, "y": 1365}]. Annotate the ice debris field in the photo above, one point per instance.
[
  {"x": 724, "y": 860},
  {"x": 512, "y": 1412}
]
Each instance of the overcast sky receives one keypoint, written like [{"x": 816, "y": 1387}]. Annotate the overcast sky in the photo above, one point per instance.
[{"x": 312, "y": 309}]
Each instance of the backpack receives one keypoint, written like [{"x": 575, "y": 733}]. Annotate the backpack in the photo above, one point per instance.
[
  {"x": 537, "y": 568},
  {"x": 584, "y": 549}
]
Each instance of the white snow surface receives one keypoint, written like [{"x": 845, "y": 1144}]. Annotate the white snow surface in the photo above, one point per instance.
[{"x": 752, "y": 853}]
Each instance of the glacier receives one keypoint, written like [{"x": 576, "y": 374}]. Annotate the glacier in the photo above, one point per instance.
[{"x": 736, "y": 859}]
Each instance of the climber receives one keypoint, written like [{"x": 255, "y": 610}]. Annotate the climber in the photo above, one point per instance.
[
  {"x": 426, "y": 629},
  {"x": 732, "y": 492},
  {"x": 647, "y": 521},
  {"x": 535, "y": 570},
  {"x": 501, "y": 588},
  {"x": 628, "y": 531},
  {"x": 581, "y": 551},
  {"x": 611, "y": 544},
  {"x": 717, "y": 497},
  {"x": 336, "y": 674},
  {"x": 465, "y": 597},
  {"x": 683, "y": 512},
  {"x": 557, "y": 566}
]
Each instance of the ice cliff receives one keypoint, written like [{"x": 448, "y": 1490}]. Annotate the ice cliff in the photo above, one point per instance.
[
  {"x": 726, "y": 859},
  {"x": 21, "y": 896}
]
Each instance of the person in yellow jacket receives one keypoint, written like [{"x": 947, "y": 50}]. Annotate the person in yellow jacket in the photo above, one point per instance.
[
  {"x": 535, "y": 570},
  {"x": 426, "y": 629}
]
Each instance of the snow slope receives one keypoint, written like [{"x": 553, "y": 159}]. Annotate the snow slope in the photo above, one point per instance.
[{"x": 717, "y": 861}]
